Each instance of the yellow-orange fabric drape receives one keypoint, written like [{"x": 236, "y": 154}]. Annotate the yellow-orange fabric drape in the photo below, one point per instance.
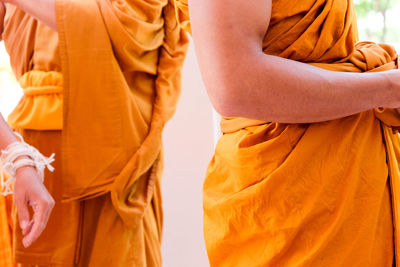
[
  {"x": 320, "y": 194},
  {"x": 98, "y": 93},
  {"x": 41, "y": 106},
  {"x": 123, "y": 72},
  {"x": 5, "y": 238}
]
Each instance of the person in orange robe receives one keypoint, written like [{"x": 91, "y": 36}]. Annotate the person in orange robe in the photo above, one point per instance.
[
  {"x": 100, "y": 80},
  {"x": 21, "y": 175},
  {"x": 306, "y": 172}
]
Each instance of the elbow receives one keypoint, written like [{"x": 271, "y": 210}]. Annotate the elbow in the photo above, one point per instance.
[
  {"x": 235, "y": 99},
  {"x": 230, "y": 86},
  {"x": 225, "y": 108},
  {"x": 226, "y": 99}
]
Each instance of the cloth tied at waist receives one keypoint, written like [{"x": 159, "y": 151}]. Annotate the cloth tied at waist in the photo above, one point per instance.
[
  {"x": 366, "y": 57},
  {"x": 41, "y": 106}
]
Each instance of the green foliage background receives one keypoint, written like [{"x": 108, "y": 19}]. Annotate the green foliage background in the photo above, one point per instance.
[{"x": 378, "y": 11}]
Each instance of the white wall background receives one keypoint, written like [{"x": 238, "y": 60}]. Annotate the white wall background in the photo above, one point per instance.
[{"x": 188, "y": 147}]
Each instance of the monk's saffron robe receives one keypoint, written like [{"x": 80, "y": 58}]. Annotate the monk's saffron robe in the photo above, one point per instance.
[
  {"x": 312, "y": 194},
  {"x": 98, "y": 93},
  {"x": 5, "y": 241}
]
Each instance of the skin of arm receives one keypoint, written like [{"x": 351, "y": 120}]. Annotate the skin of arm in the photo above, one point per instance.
[
  {"x": 28, "y": 191},
  {"x": 42, "y": 10},
  {"x": 28, "y": 188},
  {"x": 242, "y": 81}
]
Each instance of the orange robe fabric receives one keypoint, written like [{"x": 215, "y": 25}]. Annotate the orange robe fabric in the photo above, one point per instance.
[
  {"x": 317, "y": 194},
  {"x": 89, "y": 232},
  {"x": 5, "y": 237},
  {"x": 98, "y": 93}
]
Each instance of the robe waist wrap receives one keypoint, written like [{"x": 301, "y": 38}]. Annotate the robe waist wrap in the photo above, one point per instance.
[{"x": 41, "y": 106}]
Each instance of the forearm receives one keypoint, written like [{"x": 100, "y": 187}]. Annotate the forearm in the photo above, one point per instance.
[
  {"x": 270, "y": 88},
  {"x": 42, "y": 10},
  {"x": 6, "y": 134}
]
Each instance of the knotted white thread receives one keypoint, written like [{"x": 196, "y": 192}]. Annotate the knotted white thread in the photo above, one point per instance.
[{"x": 10, "y": 163}]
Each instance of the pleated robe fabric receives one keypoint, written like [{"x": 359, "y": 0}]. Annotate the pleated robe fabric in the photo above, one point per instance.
[
  {"x": 98, "y": 93},
  {"x": 316, "y": 194}
]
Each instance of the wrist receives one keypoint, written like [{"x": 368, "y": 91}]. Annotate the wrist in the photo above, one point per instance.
[
  {"x": 24, "y": 167},
  {"x": 390, "y": 95},
  {"x": 19, "y": 157},
  {"x": 394, "y": 86}
]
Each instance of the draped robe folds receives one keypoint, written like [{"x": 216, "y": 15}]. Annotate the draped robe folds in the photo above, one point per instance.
[
  {"x": 109, "y": 80},
  {"x": 138, "y": 46},
  {"x": 316, "y": 194}
]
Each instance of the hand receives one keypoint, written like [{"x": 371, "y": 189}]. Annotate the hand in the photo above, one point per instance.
[{"x": 29, "y": 190}]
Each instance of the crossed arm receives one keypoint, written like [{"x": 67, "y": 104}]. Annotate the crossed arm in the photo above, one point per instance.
[{"x": 243, "y": 81}]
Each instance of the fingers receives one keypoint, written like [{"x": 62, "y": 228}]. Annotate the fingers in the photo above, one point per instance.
[
  {"x": 42, "y": 210},
  {"x": 28, "y": 228},
  {"x": 23, "y": 212},
  {"x": 30, "y": 191}
]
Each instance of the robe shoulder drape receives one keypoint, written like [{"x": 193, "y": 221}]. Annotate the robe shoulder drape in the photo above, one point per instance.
[{"x": 126, "y": 81}]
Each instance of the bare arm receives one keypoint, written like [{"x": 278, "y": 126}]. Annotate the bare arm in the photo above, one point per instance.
[
  {"x": 243, "y": 81},
  {"x": 28, "y": 191},
  {"x": 42, "y": 10}
]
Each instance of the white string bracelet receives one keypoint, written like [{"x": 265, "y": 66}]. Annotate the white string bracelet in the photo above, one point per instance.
[{"x": 10, "y": 163}]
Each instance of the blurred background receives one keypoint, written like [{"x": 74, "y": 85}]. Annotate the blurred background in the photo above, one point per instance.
[
  {"x": 190, "y": 136},
  {"x": 379, "y": 21}
]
